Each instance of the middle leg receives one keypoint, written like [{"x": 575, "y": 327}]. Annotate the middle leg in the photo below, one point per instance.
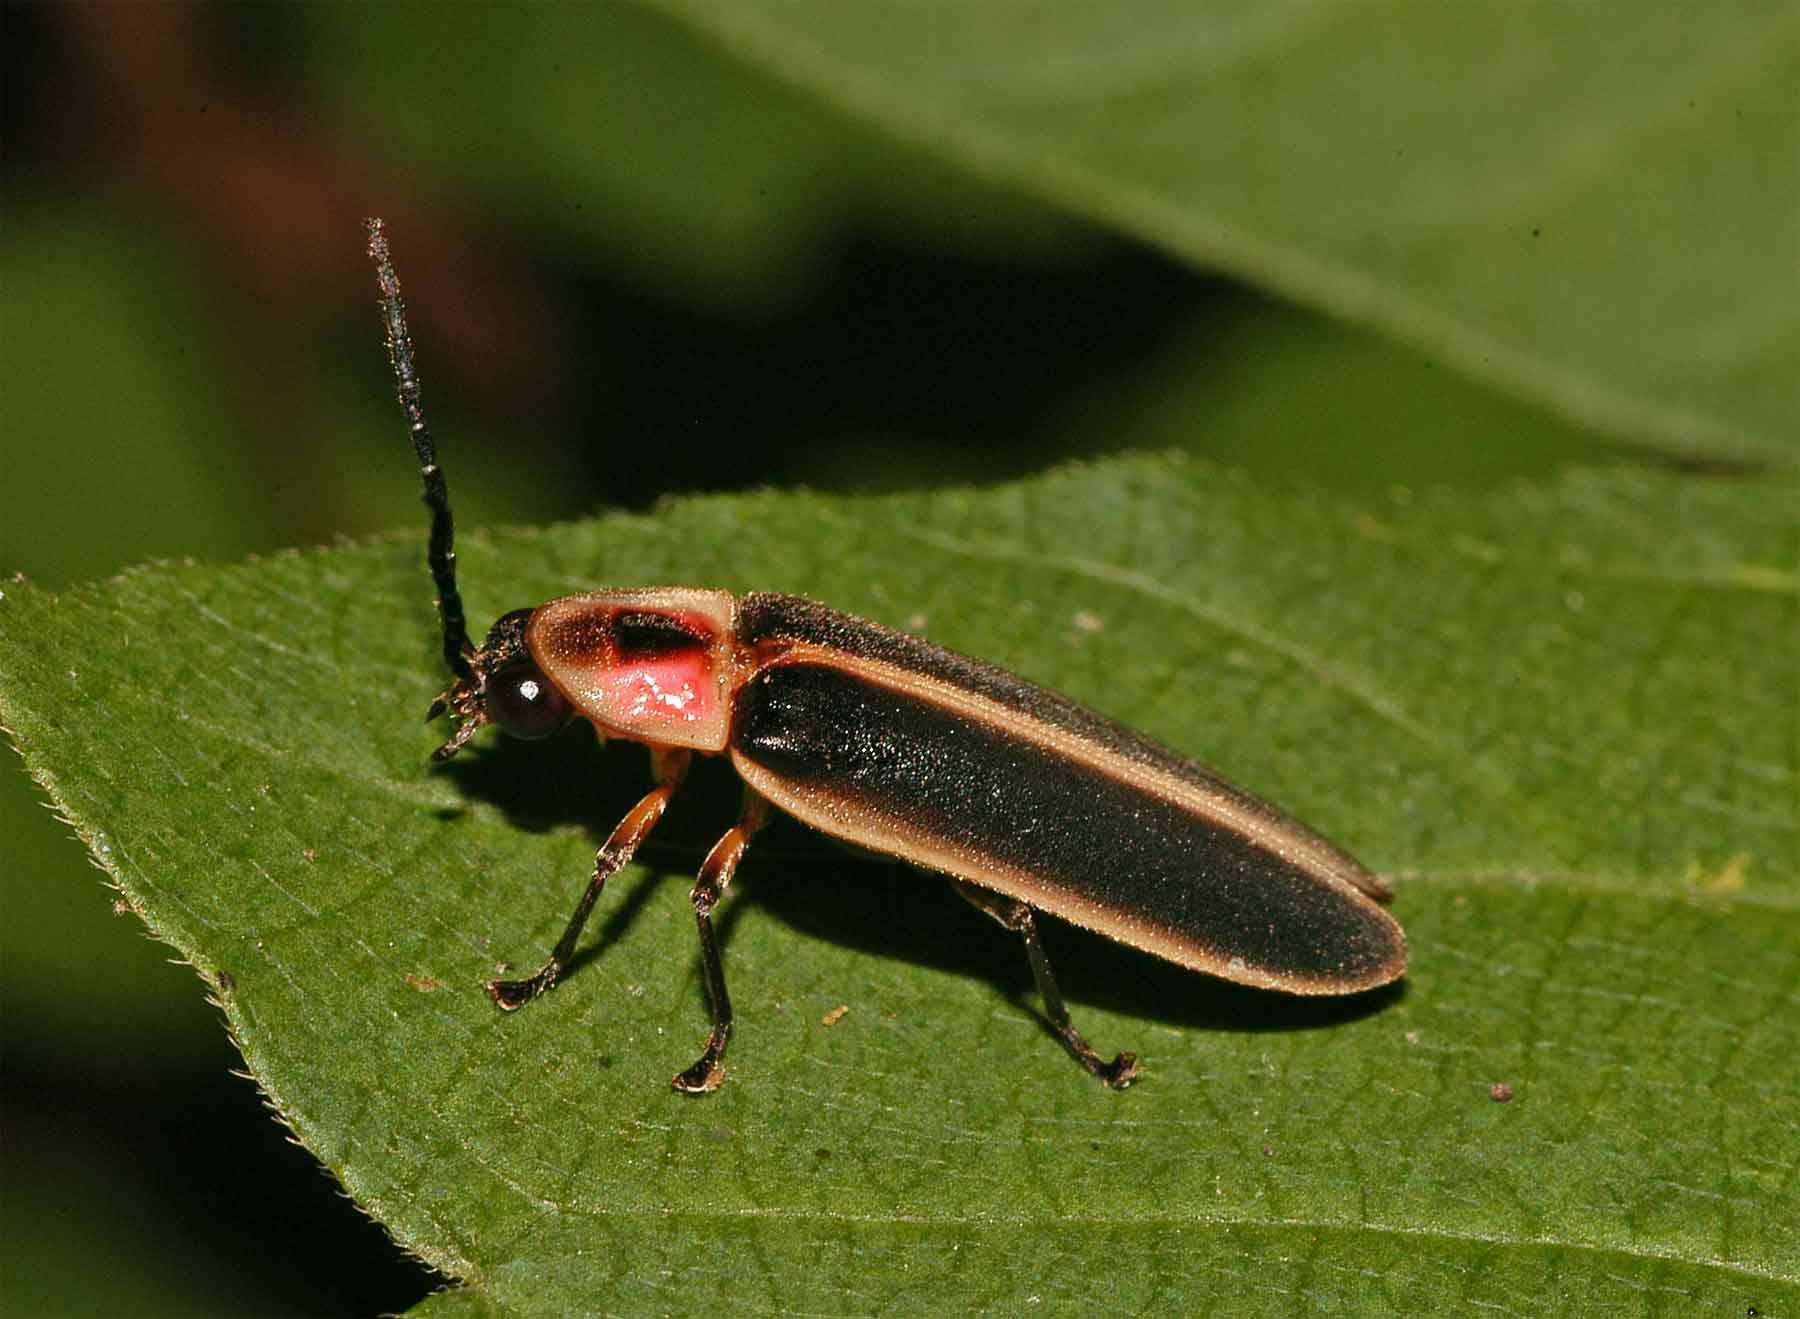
[{"x": 709, "y": 886}]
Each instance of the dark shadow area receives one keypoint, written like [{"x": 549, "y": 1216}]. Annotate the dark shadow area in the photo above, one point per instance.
[
  {"x": 575, "y": 779},
  {"x": 902, "y": 362},
  {"x": 1710, "y": 466},
  {"x": 878, "y": 372},
  {"x": 894, "y": 910},
  {"x": 571, "y": 779},
  {"x": 825, "y": 891},
  {"x": 174, "y": 1147}
]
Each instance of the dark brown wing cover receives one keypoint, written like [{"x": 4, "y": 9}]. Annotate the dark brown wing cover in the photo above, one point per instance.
[{"x": 1023, "y": 791}]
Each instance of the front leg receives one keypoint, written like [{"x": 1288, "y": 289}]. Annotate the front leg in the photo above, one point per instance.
[{"x": 669, "y": 766}]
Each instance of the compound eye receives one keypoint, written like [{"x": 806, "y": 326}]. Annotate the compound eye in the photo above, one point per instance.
[{"x": 522, "y": 701}]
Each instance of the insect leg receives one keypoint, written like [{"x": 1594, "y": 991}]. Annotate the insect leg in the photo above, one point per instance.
[
  {"x": 709, "y": 886},
  {"x": 1017, "y": 917},
  {"x": 669, "y": 766}
]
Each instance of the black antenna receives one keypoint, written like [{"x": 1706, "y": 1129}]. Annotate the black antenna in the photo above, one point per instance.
[{"x": 442, "y": 555}]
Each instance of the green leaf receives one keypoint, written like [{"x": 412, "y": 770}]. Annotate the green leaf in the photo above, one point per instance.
[
  {"x": 1563, "y": 719},
  {"x": 1588, "y": 205}
]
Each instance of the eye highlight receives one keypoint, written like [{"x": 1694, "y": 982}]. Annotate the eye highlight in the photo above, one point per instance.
[{"x": 524, "y": 702}]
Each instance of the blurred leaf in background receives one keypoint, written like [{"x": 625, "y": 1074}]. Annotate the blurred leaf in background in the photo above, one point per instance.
[{"x": 638, "y": 263}]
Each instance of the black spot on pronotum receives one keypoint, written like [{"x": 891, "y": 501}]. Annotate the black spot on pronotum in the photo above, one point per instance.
[{"x": 643, "y": 634}]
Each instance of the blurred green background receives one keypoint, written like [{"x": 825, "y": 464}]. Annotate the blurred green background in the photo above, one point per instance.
[{"x": 635, "y": 266}]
